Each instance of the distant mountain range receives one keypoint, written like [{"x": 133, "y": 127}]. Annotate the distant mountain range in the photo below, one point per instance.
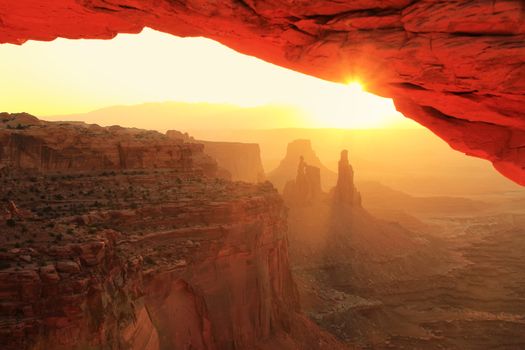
[{"x": 183, "y": 116}]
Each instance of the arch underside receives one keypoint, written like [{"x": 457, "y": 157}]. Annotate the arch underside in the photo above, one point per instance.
[{"x": 455, "y": 66}]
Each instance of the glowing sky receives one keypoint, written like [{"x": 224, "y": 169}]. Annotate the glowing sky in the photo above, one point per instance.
[{"x": 74, "y": 76}]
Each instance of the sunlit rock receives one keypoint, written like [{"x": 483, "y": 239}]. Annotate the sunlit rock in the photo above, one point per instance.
[{"x": 456, "y": 67}]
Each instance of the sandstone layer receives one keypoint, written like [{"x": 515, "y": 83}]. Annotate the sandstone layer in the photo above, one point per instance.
[
  {"x": 241, "y": 160},
  {"x": 27, "y": 143},
  {"x": 457, "y": 67},
  {"x": 140, "y": 257}
]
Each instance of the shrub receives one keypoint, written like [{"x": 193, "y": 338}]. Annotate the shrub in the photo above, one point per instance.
[{"x": 10, "y": 222}]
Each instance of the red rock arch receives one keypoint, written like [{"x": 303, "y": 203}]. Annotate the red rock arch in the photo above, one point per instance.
[{"x": 455, "y": 66}]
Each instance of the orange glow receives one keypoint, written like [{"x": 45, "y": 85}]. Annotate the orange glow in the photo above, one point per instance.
[{"x": 76, "y": 76}]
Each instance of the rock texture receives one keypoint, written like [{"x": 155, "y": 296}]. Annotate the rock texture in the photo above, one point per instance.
[
  {"x": 27, "y": 143},
  {"x": 141, "y": 257},
  {"x": 287, "y": 169},
  {"x": 457, "y": 67},
  {"x": 241, "y": 160}
]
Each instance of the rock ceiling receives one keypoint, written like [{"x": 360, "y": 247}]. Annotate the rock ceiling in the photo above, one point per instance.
[{"x": 455, "y": 66}]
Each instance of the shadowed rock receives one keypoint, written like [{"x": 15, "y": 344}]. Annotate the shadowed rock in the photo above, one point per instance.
[{"x": 345, "y": 192}]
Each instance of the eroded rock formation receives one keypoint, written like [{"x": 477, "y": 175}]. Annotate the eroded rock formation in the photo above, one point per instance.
[
  {"x": 457, "y": 67},
  {"x": 345, "y": 192},
  {"x": 306, "y": 187},
  {"x": 140, "y": 257},
  {"x": 242, "y": 160},
  {"x": 287, "y": 168}
]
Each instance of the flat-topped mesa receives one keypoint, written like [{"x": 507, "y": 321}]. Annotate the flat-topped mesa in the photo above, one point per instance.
[
  {"x": 345, "y": 191},
  {"x": 307, "y": 185},
  {"x": 27, "y": 143},
  {"x": 241, "y": 160}
]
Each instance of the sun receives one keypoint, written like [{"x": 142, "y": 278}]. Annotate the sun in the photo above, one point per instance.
[
  {"x": 350, "y": 106},
  {"x": 355, "y": 86}
]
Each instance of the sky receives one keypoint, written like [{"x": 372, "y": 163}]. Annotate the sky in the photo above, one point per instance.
[{"x": 78, "y": 76}]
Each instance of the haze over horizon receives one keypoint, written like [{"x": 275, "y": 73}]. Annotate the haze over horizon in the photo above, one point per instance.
[
  {"x": 81, "y": 76},
  {"x": 188, "y": 116}
]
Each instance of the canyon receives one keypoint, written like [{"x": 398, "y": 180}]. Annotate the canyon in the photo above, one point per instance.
[
  {"x": 456, "y": 67},
  {"x": 242, "y": 161},
  {"x": 123, "y": 238},
  {"x": 126, "y": 238},
  {"x": 381, "y": 269}
]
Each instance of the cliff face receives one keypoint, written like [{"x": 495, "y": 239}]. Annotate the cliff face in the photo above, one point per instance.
[
  {"x": 27, "y": 143},
  {"x": 456, "y": 67},
  {"x": 145, "y": 259},
  {"x": 241, "y": 160}
]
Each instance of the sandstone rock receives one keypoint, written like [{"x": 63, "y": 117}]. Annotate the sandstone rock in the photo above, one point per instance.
[
  {"x": 147, "y": 259},
  {"x": 241, "y": 160},
  {"x": 67, "y": 266},
  {"x": 345, "y": 191},
  {"x": 49, "y": 274},
  {"x": 54, "y": 147},
  {"x": 92, "y": 253},
  {"x": 25, "y": 258},
  {"x": 442, "y": 61},
  {"x": 307, "y": 185},
  {"x": 287, "y": 168}
]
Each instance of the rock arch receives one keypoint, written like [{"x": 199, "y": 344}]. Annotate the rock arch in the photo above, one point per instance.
[{"x": 455, "y": 66}]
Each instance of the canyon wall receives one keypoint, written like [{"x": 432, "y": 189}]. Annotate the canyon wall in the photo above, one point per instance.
[
  {"x": 241, "y": 160},
  {"x": 141, "y": 258},
  {"x": 27, "y": 143},
  {"x": 457, "y": 67}
]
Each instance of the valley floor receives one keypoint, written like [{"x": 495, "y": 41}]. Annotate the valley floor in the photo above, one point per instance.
[{"x": 477, "y": 304}]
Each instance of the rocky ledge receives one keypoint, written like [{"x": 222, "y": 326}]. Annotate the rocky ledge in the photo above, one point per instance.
[{"x": 143, "y": 258}]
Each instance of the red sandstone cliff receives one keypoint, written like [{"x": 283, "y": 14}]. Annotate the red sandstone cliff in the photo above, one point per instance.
[
  {"x": 27, "y": 143},
  {"x": 241, "y": 160},
  {"x": 143, "y": 258}
]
